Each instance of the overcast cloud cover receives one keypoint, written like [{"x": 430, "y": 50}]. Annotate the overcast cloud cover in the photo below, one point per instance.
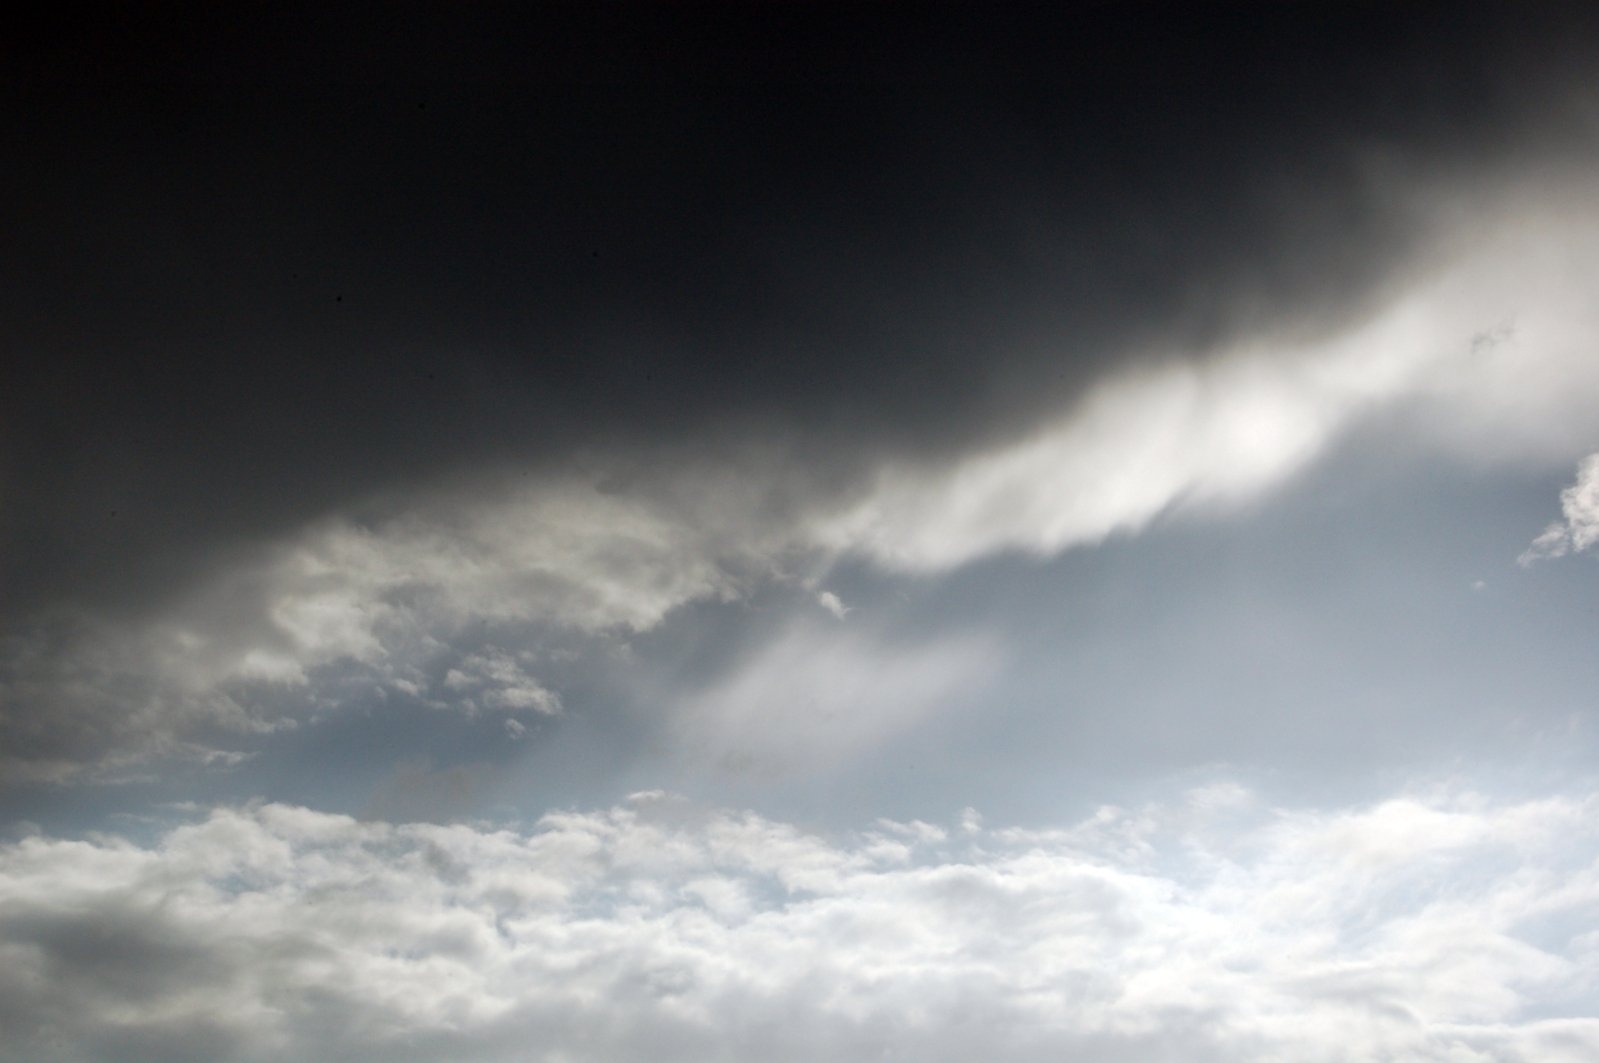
[{"x": 698, "y": 532}]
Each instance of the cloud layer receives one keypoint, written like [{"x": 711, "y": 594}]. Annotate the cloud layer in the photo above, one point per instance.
[{"x": 1440, "y": 927}]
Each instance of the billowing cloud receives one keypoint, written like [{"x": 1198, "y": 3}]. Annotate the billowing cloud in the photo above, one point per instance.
[
  {"x": 1441, "y": 927},
  {"x": 1579, "y": 528}
]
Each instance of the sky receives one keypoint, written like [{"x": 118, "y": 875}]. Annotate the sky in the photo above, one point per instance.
[{"x": 796, "y": 532}]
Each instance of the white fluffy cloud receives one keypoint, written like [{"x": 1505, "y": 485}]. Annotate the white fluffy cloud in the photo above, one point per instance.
[
  {"x": 1579, "y": 508},
  {"x": 1445, "y": 928}
]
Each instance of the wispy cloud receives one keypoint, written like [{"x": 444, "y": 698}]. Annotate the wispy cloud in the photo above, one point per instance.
[{"x": 815, "y": 696}]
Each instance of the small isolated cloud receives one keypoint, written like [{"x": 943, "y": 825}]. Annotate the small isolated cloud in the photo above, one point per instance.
[
  {"x": 382, "y": 600},
  {"x": 1439, "y": 929},
  {"x": 1579, "y": 527},
  {"x": 830, "y": 601},
  {"x": 493, "y": 679}
]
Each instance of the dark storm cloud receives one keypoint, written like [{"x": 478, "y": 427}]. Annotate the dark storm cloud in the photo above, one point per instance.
[{"x": 262, "y": 268}]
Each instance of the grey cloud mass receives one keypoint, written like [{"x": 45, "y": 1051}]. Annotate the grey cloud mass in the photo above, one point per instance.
[
  {"x": 620, "y": 539},
  {"x": 251, "y": 291}
]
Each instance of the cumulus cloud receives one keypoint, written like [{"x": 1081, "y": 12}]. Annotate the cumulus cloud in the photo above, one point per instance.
[
  {"x": 1446, "y": 927},
  {"x": 1579, "y": 528}
]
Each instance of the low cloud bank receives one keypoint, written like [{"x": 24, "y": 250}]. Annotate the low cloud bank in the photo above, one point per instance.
[{"x": 1438, "y": 927}]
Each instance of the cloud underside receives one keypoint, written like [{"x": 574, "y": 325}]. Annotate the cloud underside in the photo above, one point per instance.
[
  {"x": 1428, "y": 928},
  {"x": 1486, "y": 352}
]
